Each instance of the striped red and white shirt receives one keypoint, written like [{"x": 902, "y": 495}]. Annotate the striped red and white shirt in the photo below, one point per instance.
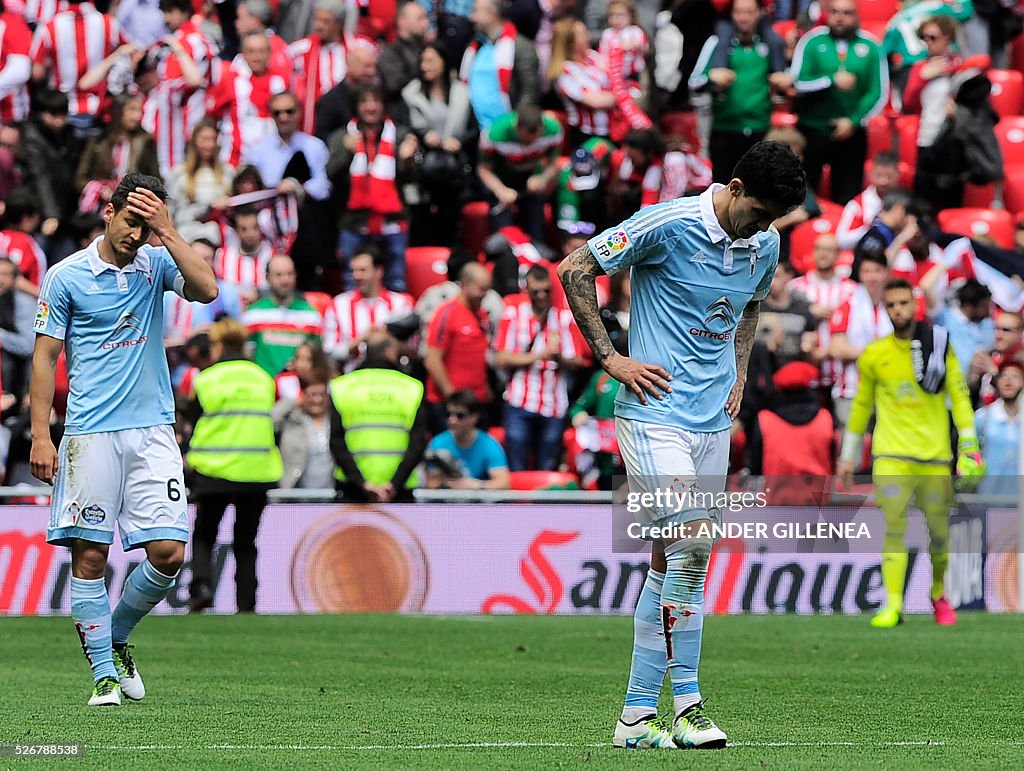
[
  {"x": 241, "y": 101},
  {"x": 246, "y": 271},
  {"x": 831, "y": 293},
  {"x": 634, "y": 44},
  {"x": 320, "y": 67},
  {"x": 353, "y": 315},
  {"x": 174, "y": 107},
  {"x": 540, "y": 388},
  {"x": 575, "y": 81},
  {"x": 15, "y": 50},
  {"x": 24, "y": 251},
  {"x": 70, "y": 44},
  {"x": 857, "y": 217},
  {"x": 37, "y": 11}
]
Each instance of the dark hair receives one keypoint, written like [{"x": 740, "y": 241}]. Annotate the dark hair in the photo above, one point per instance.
[
  {"x": 243, "y": 211},
  {"x": 364, "y": 91},
  {"x": 21, "y": 202},
  {"x": 133, "y": 180},
  {"x": 529, "y": 117},
  {"x": 538, "y": 273},
  {"x": 467, "y": 400},
  {"x": 201, "y": 342},
  {"x": 53, "y": 102},
  {"x": 647, "y": 141},
  {"x": 457, "y": 260},
  {"x": 82, "y": 224},
  {"x": 279, "y": 94},
  {"x": 185, "y": 6},
  {"x": 261, "y": 9},
  {"x": 205, "y": 242},
  {"x": 896, "y": 197},
  {"x": 770, "y": 171},
  {"x": 247, "y": 172},
  {"x": 947, "y": 26},
  {"x": 898, "y": 283},
  {"x": 972, "y": 292},
  {"x": 373, "y": 253},
  {"x": 874, "y": 256},
  {"x": 887, "y": 158},
  {"x": 446, "y": 69}
]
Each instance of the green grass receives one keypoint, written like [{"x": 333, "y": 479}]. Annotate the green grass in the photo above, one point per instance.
[{"x": 331, "y": 684}]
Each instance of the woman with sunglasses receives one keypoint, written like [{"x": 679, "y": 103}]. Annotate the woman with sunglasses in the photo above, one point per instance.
[{"x": 929, "y": 84}]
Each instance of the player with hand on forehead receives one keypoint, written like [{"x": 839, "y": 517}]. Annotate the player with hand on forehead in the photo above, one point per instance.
[{"x": 119, "y": 460}]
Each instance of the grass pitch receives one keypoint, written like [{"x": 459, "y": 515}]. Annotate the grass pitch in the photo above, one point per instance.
[{"x": 518, "y": 693}]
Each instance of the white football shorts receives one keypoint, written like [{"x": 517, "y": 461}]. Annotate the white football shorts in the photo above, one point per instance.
[
  {"x": 666, "y": 458},
  {"x": 133, "y": 477}
]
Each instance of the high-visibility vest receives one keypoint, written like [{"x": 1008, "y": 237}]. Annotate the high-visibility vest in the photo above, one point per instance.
[
  {"x": 234, "y": 438},
  {"x": 377, "y": 408}
]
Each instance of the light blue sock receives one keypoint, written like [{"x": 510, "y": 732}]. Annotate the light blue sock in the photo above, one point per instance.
[
  {"x": 682, "y": 601},
  {"x": 647, "y": 671},
  {"x": 143, "y": 590},
  {"x": 90, "y": 610}
]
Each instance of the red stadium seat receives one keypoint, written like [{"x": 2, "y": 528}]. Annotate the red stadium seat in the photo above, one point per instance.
[
  {"x": 876, "y": 10},
  {"x": 320, "y": 300},
  {"x": 1010, "y": 133},
  {"x": 979, "y": 196},
  {"x": 879, "y": 136},
  {"x": 875, "y": 27},
  {"x": 542, "y": 480},
  {"x": 426, "y": 266},
  {"x": 784, "y": 27},
  {"x": 1013, "y": 190},
  {"x": 906, "y": 132},
  {"x": 476, "y": 225},
  {"x": 498, "y": 434},
  {"x": 996, "y": 223},
  {"x": 1007, "y": 96},
  {"x": 803, "y": 236},
  {"x": 682, "y": 124}
]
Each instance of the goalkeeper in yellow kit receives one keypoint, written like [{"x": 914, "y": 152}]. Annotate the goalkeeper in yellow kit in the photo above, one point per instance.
[{"x": 906, "y": 378}]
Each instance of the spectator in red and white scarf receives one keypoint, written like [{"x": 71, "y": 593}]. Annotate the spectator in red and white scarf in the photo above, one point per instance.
[
  {"x": 367, "y": 157},
  {"x": 320, "y": 58},
  {"x": 580, "y": 76},
  {"x": 500, "y": 66},
  {"x": 124, "y": 147}
]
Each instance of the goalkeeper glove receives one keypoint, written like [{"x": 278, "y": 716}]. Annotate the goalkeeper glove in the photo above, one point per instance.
[{"x": 970, "y": 467}]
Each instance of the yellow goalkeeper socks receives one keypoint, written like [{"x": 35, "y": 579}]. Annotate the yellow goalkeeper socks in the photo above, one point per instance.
[{"x": 894, "y": 574}]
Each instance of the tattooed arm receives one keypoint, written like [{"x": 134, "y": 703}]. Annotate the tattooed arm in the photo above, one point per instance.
[
  {"x": 578, "y": 273},
  {"x": 743, "y": 342}
]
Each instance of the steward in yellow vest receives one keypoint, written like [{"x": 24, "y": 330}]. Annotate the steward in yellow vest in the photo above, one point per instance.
[
  {"x": 234, "y": 457},
  {"x": 378, "y": 427}
]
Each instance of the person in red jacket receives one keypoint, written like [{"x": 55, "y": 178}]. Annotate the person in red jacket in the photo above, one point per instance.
[{"x": 792, "y": 442}]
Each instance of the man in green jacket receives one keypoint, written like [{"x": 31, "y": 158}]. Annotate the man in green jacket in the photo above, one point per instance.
[{"x": 841, "y": 82}]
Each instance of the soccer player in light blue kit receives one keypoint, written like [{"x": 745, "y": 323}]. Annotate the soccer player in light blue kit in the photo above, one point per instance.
[
  {"x": 118, "y": 460},
  {"x": 699, "y": 268}
]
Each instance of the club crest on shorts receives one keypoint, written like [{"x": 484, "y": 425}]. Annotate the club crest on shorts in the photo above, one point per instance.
[
  {"x": 93, "y": 515},
  {"x": 74, "y": 510}
]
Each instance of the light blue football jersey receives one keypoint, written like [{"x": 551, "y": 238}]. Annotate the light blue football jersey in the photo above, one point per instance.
[
  {"x": 111, "y": 322},
  {"x": 689, "y": 286}
]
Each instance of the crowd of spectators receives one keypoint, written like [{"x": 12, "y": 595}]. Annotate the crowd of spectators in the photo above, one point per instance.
[{"x": 315, "y": 152}]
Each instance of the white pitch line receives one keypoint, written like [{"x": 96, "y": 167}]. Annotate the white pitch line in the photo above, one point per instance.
[{"x": 471, "y": 746}]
